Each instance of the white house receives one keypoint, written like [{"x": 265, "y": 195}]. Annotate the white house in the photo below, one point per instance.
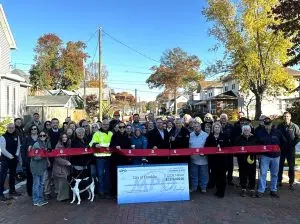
[
  {"x": 13, "y": 87},
  {"x": 180, "y": 102},
  {"x": 271, "y": 105}
]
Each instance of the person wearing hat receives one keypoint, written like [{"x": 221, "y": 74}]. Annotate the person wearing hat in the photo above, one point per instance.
[
  {"x": 247, "y": 162},
  {"x": 270, "y": 160},
  {"x": 291, "y": 132},
  {"x": 115, "y": 120}
]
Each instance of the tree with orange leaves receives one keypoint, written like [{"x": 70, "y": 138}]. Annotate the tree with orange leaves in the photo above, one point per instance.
[{"x": 177, "y": 70}]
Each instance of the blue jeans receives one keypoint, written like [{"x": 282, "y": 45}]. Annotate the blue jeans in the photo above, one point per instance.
[
  {"x": 199, "y": 176},
  {"x": 265, "y": 164},
  {"x": 38, "y": 188},
  {"x": 103, "y": 173}
]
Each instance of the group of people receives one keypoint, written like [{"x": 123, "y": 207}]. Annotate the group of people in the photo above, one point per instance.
[{"x": 46, "y": 176}]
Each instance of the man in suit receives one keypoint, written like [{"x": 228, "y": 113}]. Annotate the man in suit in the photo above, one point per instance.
[{"x": 158, "y": 138}]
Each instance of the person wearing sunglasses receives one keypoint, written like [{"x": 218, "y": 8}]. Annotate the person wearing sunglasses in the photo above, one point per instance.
[
  {"x": 119, "y": 141},
  {"x": 47, "y": 126},
  {"x": 35, "y": 121},
  {"x": 29, "y": 141},
  {"x": 38, "y": 167},
  {"x": 10, "y": 151}
]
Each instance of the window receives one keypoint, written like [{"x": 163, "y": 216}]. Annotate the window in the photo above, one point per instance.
[
  {"x": 226, "y": 88},
  {"x": 7, "y": 99},
  {"x": 233, "y": 86}
]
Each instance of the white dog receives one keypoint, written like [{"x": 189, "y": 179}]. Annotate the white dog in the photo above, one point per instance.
[{"x": 80, "y": 185}]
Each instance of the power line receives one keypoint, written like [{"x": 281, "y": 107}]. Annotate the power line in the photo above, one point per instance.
[
  {"x": 95, "y": 52},
  {"x": 136, "y": 51}
]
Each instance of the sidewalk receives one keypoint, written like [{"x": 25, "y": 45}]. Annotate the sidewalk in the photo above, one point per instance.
[{"x": 200, "y": 209}]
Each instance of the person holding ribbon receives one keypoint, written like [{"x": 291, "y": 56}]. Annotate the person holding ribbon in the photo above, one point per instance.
[
  {"x": 102, "y": 139},
  {"x": 270, "y": 160},
  {"x": 61, "y": 169},
  {"x": 199, "y": 165},
  {"x": 247, "y": 162},
  {"x": 38, "y": 167},
  {"x": 218, "y": 162}
]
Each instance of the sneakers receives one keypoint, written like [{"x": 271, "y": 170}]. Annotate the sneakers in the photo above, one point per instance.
[
  {"x": 252, "y": 193},
  {"x": 14, "y": 194},
  {"x": 203, "y": 191},
  {"x": 3, "y": 198},
  {"x": 258, "y": 194},
  {"x": 243, "y": 193},
  {"x": 40, "y": 204},
  {"x": 274, "y": 194},
  {"x": 291, "y": 187}
]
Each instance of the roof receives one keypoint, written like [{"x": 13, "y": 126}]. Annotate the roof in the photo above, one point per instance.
[
  {"x": 204, "y": 84},
  {"x": 215, "y": 85},
  {"x": 54, "y": 101},
  {"x": 6, "y": 29},
  {"x": 293, "y": 72},
  {"x": 89, "y": 91},
  {"x": 56, "y": 92},
  {"x": 290, "y": 71},
  {"x": 229, "y": 95},
  {"x": 13, "y": 77},
  {"x": 21, "y": 73}
]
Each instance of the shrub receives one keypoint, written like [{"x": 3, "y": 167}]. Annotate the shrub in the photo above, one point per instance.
[{"x": 3, "y": 125}]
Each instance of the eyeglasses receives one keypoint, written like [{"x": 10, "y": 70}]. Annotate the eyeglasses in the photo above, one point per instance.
[
  {"x": 34, "y": 129},
  {"x": 94, "y": 127},
  {"x": 48, "y": 124},
  {"x": 121, "y": 126},
  {"x": 43, "y": 136},
  {"x": 84, "y": 126}
]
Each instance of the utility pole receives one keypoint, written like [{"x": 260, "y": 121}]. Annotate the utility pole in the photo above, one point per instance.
[
  {"x": 135, "y": 94},
  {"x": 84, "y": 86},
  {"x": 100, "y": 73}
]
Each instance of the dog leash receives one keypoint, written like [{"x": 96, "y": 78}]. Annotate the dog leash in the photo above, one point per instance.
[{"x": 69, "y": 183}]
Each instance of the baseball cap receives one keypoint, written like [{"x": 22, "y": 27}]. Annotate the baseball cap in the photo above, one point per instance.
[
  {"x": 267, "y": 121},
  {"x": 116, "y": 113}
]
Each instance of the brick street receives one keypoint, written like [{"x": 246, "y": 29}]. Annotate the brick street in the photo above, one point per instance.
[{"x": 200, "y": 209}]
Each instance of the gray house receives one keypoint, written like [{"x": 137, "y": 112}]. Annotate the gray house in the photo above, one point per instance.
[{"x": 13, "y": 87}]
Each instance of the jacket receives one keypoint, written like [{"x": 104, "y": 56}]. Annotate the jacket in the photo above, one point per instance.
[
  {"x": 38, "y": 165},
  {"x": 140, "y": 142},
  {"x": 244, "y": 141},
  {"x": 54, "y": 137},
  {"x": 181, "y": 139},
  {"x": 82, "y": 160},
  {"x": 155, "y": 139},
  {"x": 60, "y": 164},
  {"x": 121, "y": 140},
  {"x": 102, "y": 138},
  {"x": 292, "y": 134},
  {"x": 10, "y": 145},
  {"x": 24, "y": 149},
  {"x": 275, "y": 137}
]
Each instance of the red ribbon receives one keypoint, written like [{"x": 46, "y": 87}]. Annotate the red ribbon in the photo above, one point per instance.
[{"x": 156, "y": 152}]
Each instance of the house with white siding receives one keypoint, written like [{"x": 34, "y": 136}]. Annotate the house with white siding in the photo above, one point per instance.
[{"x": 13, "y": 87}]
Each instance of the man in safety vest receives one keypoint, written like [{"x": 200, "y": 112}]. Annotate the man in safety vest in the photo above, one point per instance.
[{"x": 101, "y": 139}]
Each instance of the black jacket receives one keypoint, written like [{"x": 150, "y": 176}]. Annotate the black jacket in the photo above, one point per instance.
[
  {"x": 291, "y": 133},
  {"x": 54, "y": 137},
  {"x": 24, "y": 148},
  {"x": 82, "y": 160},
  {"x": 155, "y": 139},
  {"x": 181, "y": 139},
  {"x": 121, "y": 140},
  {"x": 222, "y": 141}
]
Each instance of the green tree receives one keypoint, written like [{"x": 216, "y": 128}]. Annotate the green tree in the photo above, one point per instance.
[
  {"x": 176, "y": 70},
  {"x": 254, "y": 54},
  {"x": 287, "y": 13}
]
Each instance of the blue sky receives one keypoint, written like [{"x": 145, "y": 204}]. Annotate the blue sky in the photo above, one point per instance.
[{"x": 150, "y": 27}]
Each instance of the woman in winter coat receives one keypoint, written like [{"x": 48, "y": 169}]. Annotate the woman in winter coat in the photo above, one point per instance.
[
  {"x": 247, "y": 162},
  {"x": 80, "y": 164},
  {"x": 38, "y": 167},
  {"x": 138, "y": 141},
  {"x": 218, "y": 162},
  {"x": 61, "y": 170}
]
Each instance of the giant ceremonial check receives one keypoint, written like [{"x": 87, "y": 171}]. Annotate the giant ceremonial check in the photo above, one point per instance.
[{"x": 153, "y": 183}]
